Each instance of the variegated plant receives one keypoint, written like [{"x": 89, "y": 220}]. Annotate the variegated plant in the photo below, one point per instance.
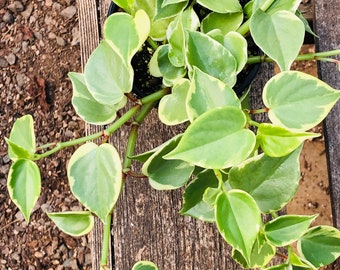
[{"x": 232, "y": 184}]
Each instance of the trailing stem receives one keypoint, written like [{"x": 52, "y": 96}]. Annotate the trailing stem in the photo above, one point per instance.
[
  {"x": 321, "y": 56},
  {"x": 106, "y": 242},
  {"x": 148, "y": 102}
]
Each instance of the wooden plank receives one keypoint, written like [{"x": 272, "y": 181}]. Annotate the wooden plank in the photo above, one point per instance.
[
  {"x": 90, "y": 35},
  {"x": 327, "y": 27}
]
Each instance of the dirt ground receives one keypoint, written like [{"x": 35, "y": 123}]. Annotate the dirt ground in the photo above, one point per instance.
[{"x": 39, "y": 45}]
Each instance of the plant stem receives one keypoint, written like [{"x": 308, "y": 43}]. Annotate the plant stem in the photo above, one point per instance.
[
  {"x": 155, "y": 96},
  {"x": 152, "y": 43},
  {"x": 122, "y": 120},
  {"x": 112, "y": 128},
  {"x": 106, "y": 241},
  {"x": 130, "y": 148},
  {"x": 302, "y": 57}
]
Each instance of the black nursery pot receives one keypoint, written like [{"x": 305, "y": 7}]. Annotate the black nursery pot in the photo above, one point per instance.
[{"x": 145, "y": 84}]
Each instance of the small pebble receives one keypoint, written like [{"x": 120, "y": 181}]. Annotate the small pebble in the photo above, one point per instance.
[
  {"x": 16, "y": 6},
  {"x": 68, "y": 12},
  {"x": 8, "y": 17},
  {"x": 21, "y": 79},
  {"x": 60, "y": 41},
  {"x": 3, "y": 62},
  {"x": 28, "y": 11},
  {"x": 11, "y": 58}
]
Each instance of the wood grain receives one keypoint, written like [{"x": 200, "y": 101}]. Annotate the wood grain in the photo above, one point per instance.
[{"x": 327, "y": 27}]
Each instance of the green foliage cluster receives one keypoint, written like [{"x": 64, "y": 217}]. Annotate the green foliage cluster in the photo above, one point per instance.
[{"x": 231, "y": 174}]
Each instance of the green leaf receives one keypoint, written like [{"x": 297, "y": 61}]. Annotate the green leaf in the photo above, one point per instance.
[
  {"x": 320, "y": 245},
  {"x": 24, "y": 185},
  {"x": 176, "y": 38},
  {"x": 308, "y": 29},
  {"x": 238, "y": 220},
  {"x": 222, "y": 6},
  {"x": 95, "y": 177},
  {"x": 207, "y": 92},
  {"x": 224, "y": 22},
  {"x": 76, "y": 223},
  {"x": 107, "y": 75},
  {"x": 168, "y": 11},
  {"x": 238, "y": 47},
  {"x": 193, "y": 198},
  {"x": 190, "y": 20},
  {"x": 167, "y": 174},
  {"x": 276, "y": 41},
  {"x": 89, "y": 109},
  {"x": 284, "y": 230},
  {"x": 297, "y": 262},
  {"x": 127, "y": 5},
  {"x": 297, "y": 100},
  {"x": 172, "y": 107},
  {"x": 144, "y": 265},
  {"x": 284, "y": 266},
  {"x": 264, "y": 178},
  {"x": 288, "y": 5},
  {"x": 261, "y": 254},
  {"x": 209, "y": 61},
  {"x": 21, "y": 142},
  {"x": 278, "y": 142},
  {"x": 170, "y": 2},
  {"x": 160, "y": 66},
  {"x": 215, "y": 140},
  {"x": 135, "y": 31}
]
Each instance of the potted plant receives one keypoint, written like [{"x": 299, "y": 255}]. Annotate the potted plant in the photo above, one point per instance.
[{"x": 234, "y": 170}]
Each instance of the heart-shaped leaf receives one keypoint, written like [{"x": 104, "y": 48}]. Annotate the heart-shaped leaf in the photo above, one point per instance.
[
  {"x": 89, "y": 109},
  {"x": 284, "y": 230},
  {"x": 73, "y": 223},
  {"x": 107, "y": 75},
  {"x": 297, "y": 100},
  {"x": 95, "y": 177},
  {"x": 238, "y": 220},
  {"x": 127, "y": 34},
  {"x": 320, "y": 245},
  {"x": 207, "y": 92},
  {"x": 215, "y": 140},
  {"x": 167, "y": 174},
  {"x": 265, "y": 177},
  {"x": 172, "y": 107},
  {"x": 224, "y": 22},
  {"x": 209, "y": 61},
  {"x": 278, "y": 142},
  {"x": 276, "y": 41},
  {"x": 193, "y": 198},
  {"x": 21, "y": 142},
  {"x": 24, "y": 185}
]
